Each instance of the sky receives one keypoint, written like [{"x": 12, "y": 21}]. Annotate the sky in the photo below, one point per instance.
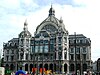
[{"x": 80, "y": 16}]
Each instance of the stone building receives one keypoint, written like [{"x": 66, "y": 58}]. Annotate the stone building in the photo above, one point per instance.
[
  {"x": 51, "y": 48},
  {"x": 79, "y": 53},
  {"x": 98, "y": 65}
]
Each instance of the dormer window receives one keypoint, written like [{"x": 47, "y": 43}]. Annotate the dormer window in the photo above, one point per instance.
[
  {"x": 7, "y": 51},
  {"x": 84, "y": 50}
]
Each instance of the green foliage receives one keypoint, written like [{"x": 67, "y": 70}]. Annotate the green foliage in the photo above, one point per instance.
[{"x": 7, "y": 71}]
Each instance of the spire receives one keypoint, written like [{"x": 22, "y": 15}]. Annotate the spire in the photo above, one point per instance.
[
  {"x": 25, "y": 25},
  {"x": 51, "y": 11}
]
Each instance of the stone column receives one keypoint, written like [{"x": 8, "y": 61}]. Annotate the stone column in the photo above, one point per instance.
[
  {"x": 62, "y": 68},
  {"x": 67, "y": 68}
]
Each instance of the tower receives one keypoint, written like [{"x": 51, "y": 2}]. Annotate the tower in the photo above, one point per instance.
[{"x": 24, "y": 46}]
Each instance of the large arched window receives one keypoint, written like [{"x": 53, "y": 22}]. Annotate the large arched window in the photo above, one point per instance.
[{"x": 49, "y": 28}]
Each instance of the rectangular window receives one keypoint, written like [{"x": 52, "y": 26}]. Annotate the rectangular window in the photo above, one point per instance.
[
  {"x": 71, "y": 50},
  {"x": 36, "y": 42},
  {"x": 12, "y": 58},
  {"x": 41, "y": 41},
  {"x": 7, "y": 51},
  {"x": 60, "y": 48},
  {"x": 31, "y": 56},
  {"x": 60, "y": 55},
  {"x": 7, "y": 57},
  {"x": 59, "y": 40},
  {"x": 84, "y": 49},
  {"x": 21, "y": 56},
  {"x": 78, "y": 56},
  {"x": 26, "y": 56},
  {"x": 80, "y": 41},
  {"x": 41, "y": 49},
  {"x": 77, "y": 41},
  {"x": 32, "y": 49},
  {"x": 52, "y": 41},
  {"x": 83, "y": 41},
  {"x": 65, "y": 55},
  {"x": 84, "y": 56},
  {"x": 46, "y": 48},
  {"x": 78, "y": 50},
  {"x": 12, "y": 51},
  {"x": 36, "y": 49},
  {"x": 72, "y": 57},
  {"x": 71, "y": 41},
  {"x": 46, "y": 41},
  {"x": 51, "y": 47},
  {"x": 22, "y": 41},
  {"x": 51, "y": 57}
]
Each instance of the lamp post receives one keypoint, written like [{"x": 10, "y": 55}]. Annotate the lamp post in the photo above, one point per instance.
[{"x": 75, "y": 54}]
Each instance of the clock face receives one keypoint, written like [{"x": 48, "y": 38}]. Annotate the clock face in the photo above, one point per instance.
[{"x": 49, "y": 28}]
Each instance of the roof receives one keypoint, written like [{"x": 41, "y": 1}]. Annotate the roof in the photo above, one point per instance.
[
  {"x": 77, "y": 36},
  {"x": 51, "y": 19}
]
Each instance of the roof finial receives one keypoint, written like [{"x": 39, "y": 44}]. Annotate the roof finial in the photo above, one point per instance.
[
  {"x": 61, "y": 21},
  {"x": 51, "y": 11},
  {"x": 51, "y": 4},
  {"x": 25, "y": 25}
]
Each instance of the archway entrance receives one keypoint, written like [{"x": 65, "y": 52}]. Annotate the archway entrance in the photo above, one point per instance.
[
  {"x": 54, "y": 67},
  {"x": 26, "y": 67},
  {"x": 51, "y": 67},
  {"x": 46, "y": 66},
  {"x": 7, "y": 66},
  {"x": 65, "y": 68},
  {"x": 31, "y": 66},
  {"x": 12, "y": 67}
]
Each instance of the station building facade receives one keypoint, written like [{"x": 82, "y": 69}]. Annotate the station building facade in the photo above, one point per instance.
[{"x": 51, "y": 48}]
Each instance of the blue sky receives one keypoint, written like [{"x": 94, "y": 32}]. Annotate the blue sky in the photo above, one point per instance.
[{"x": 80, "y": 16}]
